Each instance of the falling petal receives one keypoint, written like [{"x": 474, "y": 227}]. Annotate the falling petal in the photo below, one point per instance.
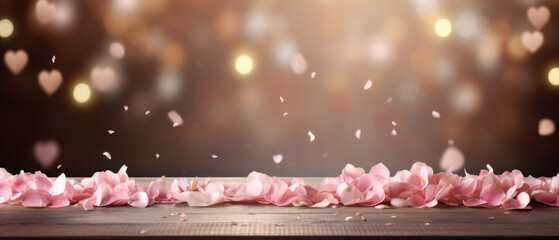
[
  {"x": 393, "y": 123},
  {"x": 546, "y": 127},
  {"x": 278, "y": 224},
  {"x": 393, "y": 132},
  {"x": 147, "y": 112},
  {"x": 435, "y": 114},
  {"x": 348, "y": 218},
  {"x": 277, "y": 158},
  {"x": 389, "y": 100},
  {"x": 53, "y": 58},
  {"x": 313, "y": 74},
  {"x": 452, "y": 158},
  {"x": 156, "y": 155},
  {"x": 426, "y": 224},
  {"x": 281, "y": 99},
  {"x": 358, "y": 134},
  {"x": 214, "y": 156},
  {"x": 175, "y": 118},
  {"x": 111, "y": 131},
  {"x": 175, "y": 124},
  {"x": 59, "y": 166},
  {"x": 311, "y": 136},
  {"x": 368, "y": 85},
  {"x": 107, "y": 154},
  {"x": 285, "y": 114},
  {"x": 125, "y": 108}
]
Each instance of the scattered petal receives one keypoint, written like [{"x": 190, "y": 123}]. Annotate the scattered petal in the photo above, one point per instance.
[
  {"x": 336, "y": 214},
  {"x": 358, "y": 134},
  {"x": 107, "y": 155},
  {"x": 393, "y": 217},
  {"x": 175, "y": 118},
  {"x": 278, "y": 224},
  {"x": 175, "y": 124},
  {"x": 393, "y": 123},
  {"x": 427, "y": 224},
  {"x": 111, "y": 131},
  {"x": 490, "y": 218},
  {"x": 335, "y": 206},
  {"x": 311, "y": 136},
  {"x": 147, "y": 112},
  {"x": 393, "y": 132},
  {"x": 285, "y": 114},
  {"x": 251, "y": 213},
  {"x": 363, "y": 218},
  {"x": 281, "y": 99},
  {"x": 389, "y": 100},
  {"x": 382, "y": 206},
  {"x": 436, "y": 114},
  {"x": 59, "y": 166},
  {"x": 277, "y": 158},
  {"x": 313, "y": 74},
  {"x": 507, "y": 213},
  {"x": 214, "y": 156},
  {"x": 156, "y": 155},
  {"x": 388, "y": 224},
  {"x": 143, "y": 231},
  {"x": 368, "y": 85},
  {"x": 298, "y": 217},
  {"x": 358, "y": 214},
  {"x": 53, "y": 58},
  {"x": 125, "y": 108},
  {"x": 348, "y": 218}
]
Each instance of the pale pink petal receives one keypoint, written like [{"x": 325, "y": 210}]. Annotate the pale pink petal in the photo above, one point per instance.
[
  {"x": 58, "y": 201},
  {"x": 33, "y": 198},
  {"x": 493, "y": 195},
  {"x": 139, "y": 200},
  {"x": 197, "y": 199},
  {"x": 380, "y": 170},
  {"x": 521, "y": 202},
  {"x": 399, "y": 202},
  {"x": 474, "y": 202},
  {"x": 87, "y": 205},
  {"x": 58, "y": 186}
]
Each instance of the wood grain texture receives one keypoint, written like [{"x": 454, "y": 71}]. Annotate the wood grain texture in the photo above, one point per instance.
[{"x": 124, "y": 222}]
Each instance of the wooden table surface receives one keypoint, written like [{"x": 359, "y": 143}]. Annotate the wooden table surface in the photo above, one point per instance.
[{"x": 124, "y": 222}]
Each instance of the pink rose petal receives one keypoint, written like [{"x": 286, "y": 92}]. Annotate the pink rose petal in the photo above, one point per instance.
[{"x": 139, "y": 200}]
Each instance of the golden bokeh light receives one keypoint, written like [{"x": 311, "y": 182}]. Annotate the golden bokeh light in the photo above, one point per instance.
[
  {"x": 6, "y": 28},
  {"x": 443, "y": 28},
  {"x": 244, "y": 64},
  {"x": 82, "y": 93},
  {"x": 553, "y": 76}
]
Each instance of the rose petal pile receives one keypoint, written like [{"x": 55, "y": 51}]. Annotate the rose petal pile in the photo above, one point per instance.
[{"x": 418, "y": 187}]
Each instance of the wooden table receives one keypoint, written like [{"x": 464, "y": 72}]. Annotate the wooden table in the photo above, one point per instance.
[{"x": 124, "y": 222}]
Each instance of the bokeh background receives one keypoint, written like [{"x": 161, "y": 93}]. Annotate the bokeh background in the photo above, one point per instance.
[{"x": 223, "y": 65}]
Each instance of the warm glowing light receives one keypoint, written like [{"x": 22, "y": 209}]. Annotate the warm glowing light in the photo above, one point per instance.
[
  {"x": 553, "y": 76},
  {"x": 443, "y": 28},
  {"x": 244, "y": 64},
  {"x": 82, "y": 92},
  {"x": 6, "y": 28}
]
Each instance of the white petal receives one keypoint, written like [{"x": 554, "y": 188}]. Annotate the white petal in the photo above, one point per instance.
[
  {"x": 311, "y": 136},
  {"x": 281, "y": 99},
  {"x": 393, "y": 132},
  {"x": 107, "y": 154},
  {"x": 368, "y": 85},
  {"x": 435, "y": 114},
  {"x": 277, "y": 158},
  {"x": 358, "y": 134}
]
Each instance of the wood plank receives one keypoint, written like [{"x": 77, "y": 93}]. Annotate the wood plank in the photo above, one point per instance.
[{"x": 127, "y": 222}]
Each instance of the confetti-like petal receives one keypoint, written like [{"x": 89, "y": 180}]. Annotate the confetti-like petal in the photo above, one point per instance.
[
  {"x": 277, "y": 158},
  {"x": 107, "y": 155},
  {"x": 311, "y": 136},
  {"x": 368, "y": 85}
]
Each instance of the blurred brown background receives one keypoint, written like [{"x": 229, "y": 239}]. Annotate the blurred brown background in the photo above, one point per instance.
[{"x": 180, "y": 55}]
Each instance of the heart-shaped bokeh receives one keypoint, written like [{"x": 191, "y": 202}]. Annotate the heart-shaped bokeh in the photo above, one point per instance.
[
  {"x": 44, "y": 10},
  {"x": 46, "y": 153},
  {"x": 16, "y": 60},
  {"x": 532, "y": 40},
  {"x": 103, "y": 79},
  {"x": 538, "y": 17},
  {"x": 50, "y": 81}
]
